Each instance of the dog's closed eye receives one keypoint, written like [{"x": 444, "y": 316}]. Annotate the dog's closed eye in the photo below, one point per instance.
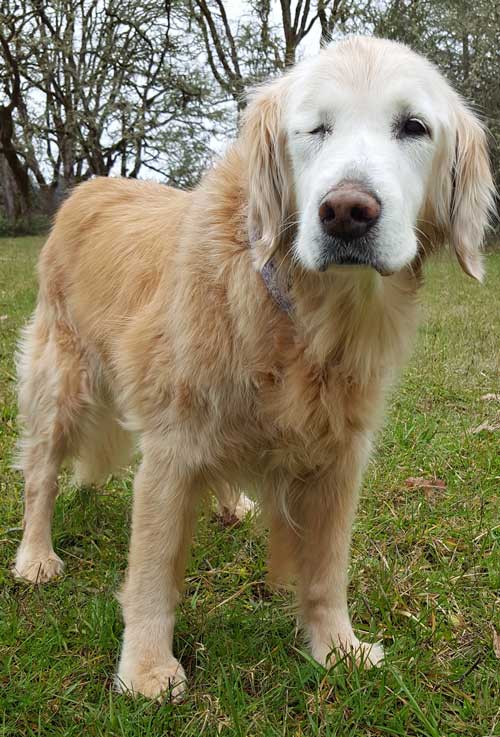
[{"x": 321, "y": 130}]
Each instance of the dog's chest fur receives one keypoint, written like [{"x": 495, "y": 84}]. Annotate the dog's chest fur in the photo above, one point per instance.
[
  {"x": 330, "y": 373},
  {"x": 267, "y": 388}
]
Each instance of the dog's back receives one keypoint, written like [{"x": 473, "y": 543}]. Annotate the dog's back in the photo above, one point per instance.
[
  {"x": 101, "y": 264},
  {"x": 107, "y": 252}
]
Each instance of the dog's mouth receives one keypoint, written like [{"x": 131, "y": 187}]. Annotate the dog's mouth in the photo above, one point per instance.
[{"x": 356, "y": 253}]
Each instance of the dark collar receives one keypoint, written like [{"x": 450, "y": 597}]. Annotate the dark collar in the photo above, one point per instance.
[{"x": 277, "y": 286}]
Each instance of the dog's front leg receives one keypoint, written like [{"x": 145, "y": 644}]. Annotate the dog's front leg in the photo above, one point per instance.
[
  {"x": 314, "y": 548},
  {"x": 163, "y": 514},
  {"x": 327, "y": 513}
]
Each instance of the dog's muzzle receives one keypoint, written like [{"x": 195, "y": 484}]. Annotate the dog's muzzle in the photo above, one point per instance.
[{"x": 348, "y": 214}]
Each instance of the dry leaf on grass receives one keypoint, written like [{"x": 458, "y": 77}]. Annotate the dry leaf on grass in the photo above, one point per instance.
[
  {"x": 419, "y": 482},
  {"x": 491, "y": 397},
  {"x": 431, "y": 487},
  {"x": 496, "y": 643},
  {"x": 488, "y": 426},
  {"x": 227, "y": 519}
]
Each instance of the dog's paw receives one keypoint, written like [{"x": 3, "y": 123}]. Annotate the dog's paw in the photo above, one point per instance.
[
  {"x": 244, "y": 506},
  {"x": 235, "y": 512},
  {"x": 161, "y": 682},
  {"x": 363, "y": 654},
  {"x": 37, "y": 568},
  {"x": 368, "y": 655},
  {"x": 236, "y": 508}
]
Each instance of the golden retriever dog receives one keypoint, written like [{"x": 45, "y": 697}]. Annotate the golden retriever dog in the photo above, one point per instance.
[{"x": 246, "y": 332}]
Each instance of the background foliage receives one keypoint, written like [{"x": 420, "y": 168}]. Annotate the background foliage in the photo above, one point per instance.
[{"x": 122, "y": 87}]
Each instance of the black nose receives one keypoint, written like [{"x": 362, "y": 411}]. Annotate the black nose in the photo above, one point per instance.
[{"x": 348, "y": 211}]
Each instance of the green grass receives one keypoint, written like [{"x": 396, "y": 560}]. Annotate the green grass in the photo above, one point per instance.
[{"x": 425, "y": 570}]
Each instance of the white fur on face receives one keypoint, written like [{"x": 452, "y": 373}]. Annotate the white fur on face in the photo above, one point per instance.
[{"x": 361, "y": 95}]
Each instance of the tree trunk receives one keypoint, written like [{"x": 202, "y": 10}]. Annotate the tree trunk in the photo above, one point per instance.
[
  {"x": 15, "y": 173},
  {"x": 11, "y": 201}
]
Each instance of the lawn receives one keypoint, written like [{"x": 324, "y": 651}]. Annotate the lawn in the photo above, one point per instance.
[{"x": 425, "y": 569}]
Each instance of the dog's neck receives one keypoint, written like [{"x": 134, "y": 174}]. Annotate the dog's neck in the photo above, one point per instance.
[
  {"x": 352, "y": 316},
  {"x": 359, "y": 319}
]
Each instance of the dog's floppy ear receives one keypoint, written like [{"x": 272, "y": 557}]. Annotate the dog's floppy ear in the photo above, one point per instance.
[
  {"x": 269, "y": 181},
  {"x": 471, "y": 191}
]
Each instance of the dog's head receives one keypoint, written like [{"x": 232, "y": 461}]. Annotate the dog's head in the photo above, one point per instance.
[{"x": 362, "y": 156}]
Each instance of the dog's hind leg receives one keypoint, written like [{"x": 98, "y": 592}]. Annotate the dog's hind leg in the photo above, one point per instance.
[
  {"x": 105, "y": 446},
  {"x": 52, "y": 396}
]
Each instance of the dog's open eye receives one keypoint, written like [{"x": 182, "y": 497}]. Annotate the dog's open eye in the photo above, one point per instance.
[{"x": 413, "y": 127}]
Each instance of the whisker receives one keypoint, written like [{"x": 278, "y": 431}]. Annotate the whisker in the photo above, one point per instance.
[{"x": 287, "y": 227}]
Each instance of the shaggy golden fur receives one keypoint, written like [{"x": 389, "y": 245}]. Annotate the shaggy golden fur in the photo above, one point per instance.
[{"x": 153, "y": 319}]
